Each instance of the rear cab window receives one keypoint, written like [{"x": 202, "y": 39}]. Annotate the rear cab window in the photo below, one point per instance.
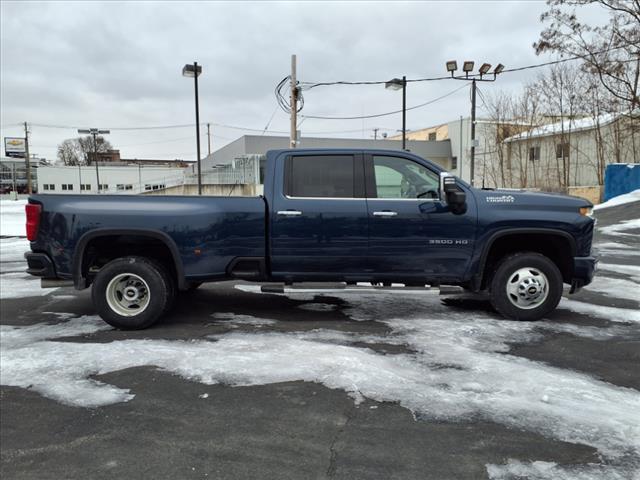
[{"x": 321, "y": 176}]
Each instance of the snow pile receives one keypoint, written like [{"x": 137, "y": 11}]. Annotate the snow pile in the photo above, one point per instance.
[
  {"x": 613, "y": 314},
  {"x": 21, "y": 285},
  {"x": 620, "y": 200},
  {"x": 12, "y": 218}
]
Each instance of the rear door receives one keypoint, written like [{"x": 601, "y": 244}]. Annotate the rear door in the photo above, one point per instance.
[
  {"x": 412, "y": 232},
  {"x": 319, "y": 219}
]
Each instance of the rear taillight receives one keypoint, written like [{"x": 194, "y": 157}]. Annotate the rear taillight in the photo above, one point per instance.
[{"x": 33, "y": 220}]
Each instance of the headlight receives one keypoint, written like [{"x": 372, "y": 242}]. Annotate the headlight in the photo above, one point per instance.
[{"x": 586, "y": 211}]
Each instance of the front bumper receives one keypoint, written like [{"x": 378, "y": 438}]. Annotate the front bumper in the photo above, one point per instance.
[{"x": 584, "y": 268}]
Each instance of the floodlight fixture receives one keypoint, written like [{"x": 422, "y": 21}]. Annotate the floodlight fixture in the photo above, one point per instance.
[
  {"x": 484, "y": 68},
  {"x": 499, "y": 68},
  {"x": 394, "y": 84},
  {"x": 467, "y": 66},
  {"x": 191, "y": 70},
  {"x": 452, "y": 66}
]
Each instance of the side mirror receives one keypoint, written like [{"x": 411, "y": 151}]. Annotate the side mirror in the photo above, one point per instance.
[{"x": 455, "y": 196}]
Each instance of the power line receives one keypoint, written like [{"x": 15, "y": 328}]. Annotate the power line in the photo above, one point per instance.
[
  {"x": 387, "y": 113},
  {"x": 310, "y": 85}
]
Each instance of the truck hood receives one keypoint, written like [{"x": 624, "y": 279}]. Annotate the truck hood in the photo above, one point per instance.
[{"x": 504, "y": 196}]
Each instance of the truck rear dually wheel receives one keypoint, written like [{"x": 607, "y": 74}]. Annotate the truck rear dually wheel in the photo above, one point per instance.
[
  {"x": 132, "y": 293},
  {"x": 526, "y": 286}
]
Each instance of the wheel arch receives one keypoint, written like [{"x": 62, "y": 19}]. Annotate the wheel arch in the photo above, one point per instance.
[
  {"x": 561, "y": 249},
  {"x": 80, "y": 280}
]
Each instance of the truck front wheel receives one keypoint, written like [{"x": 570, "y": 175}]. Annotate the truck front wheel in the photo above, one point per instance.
[
  {"x": 526, "y": 286},
  {"x": 131, "y": 293}
]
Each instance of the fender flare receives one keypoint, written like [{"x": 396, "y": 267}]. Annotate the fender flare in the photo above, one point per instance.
[
  {"x": 78, "y": 254},
  {"x": 518, "y": 231}
]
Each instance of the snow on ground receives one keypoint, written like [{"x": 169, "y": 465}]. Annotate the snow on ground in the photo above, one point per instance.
[
  {"x": 12, "y": 218},
  {"x": 615, "y": 249},
  {"x": 21, "y": 285},
  {"x": 516, "y": 470},
  {"x": 461, "y": 369},
  {"x": 615, "y": 287},
  {"x": 620, "y": 200},
  {"x": 613, "y": 314},
  {"x": 632, "y": 271},
  {"x": 12, "y": 249},
  {"x": 621, "y": 228}
]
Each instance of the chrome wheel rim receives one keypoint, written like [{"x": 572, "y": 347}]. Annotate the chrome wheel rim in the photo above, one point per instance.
[
  {"x": 128, "y": 294},
  {"x": 527, "y": 288}
]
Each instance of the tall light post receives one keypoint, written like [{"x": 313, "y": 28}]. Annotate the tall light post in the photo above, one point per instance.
[
  {"x": 467, "y": 68},
  {"x": 397, "y": 84},
  {"x": 194, "y": 70},
  {"x": 94, "y": 132}
]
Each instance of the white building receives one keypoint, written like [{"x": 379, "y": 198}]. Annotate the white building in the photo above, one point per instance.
[
  {"x": 571, "y": 153},
  {"x": 113, "y": 179}
]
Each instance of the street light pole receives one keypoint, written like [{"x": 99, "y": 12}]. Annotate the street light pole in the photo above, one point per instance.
[
  {"x": 404, "y": 113},
  {"x": 473, "y": 130},
  {"x": 194, "y": 71},
  {"x": 397, "y": 84}
]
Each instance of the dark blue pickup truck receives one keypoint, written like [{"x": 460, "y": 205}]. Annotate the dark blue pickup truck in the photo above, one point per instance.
[{"x": 326, "y": 215}]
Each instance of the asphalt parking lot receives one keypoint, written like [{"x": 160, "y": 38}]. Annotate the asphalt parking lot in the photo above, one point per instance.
[{"x": 235, "y": 383}]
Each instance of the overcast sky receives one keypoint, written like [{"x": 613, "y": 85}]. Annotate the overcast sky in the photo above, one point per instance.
[{"x": 112, "y": 65}]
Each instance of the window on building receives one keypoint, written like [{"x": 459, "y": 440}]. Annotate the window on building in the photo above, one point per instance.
[
  {"x": 534, "y": 153},
  {"x": 49, "y": 186},
  {"x": 45, "y": 186},
  {"x": 120, "y": 186},
  {"x": 562, "y": 150},
  {"x": 67, "y": 186},
  {"x": 401, "y": 178},
  {"x": 128, "y": 186},
  {"x": 454, "y": 163},
  {"x": 432, "y": 136},
  {"x": 85, "y": 186},
  {"x": 320, "y": 176},
  {"x": 103, "y": 186}
]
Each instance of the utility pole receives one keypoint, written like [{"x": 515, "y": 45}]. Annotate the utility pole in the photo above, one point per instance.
[
  {"x": 375, "y": 133},
  {"x": 27, "y": 157},
  {"x": 208, "y": 139},
  {"x": 293, "y": 136},
  {"x": 404, "y": 113},
  {"x": 94, "y": 132}
]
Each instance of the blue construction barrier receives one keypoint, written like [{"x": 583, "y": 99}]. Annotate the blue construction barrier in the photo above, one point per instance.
[{"x": 620, "y": 178}]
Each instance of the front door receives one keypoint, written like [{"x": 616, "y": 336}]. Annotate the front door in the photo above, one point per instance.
[
  {"x": 319, "y": 226},
  {"x": 412, "y": 232}
]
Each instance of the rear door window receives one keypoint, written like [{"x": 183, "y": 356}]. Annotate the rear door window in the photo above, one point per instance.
[{"x": 324, "y": 176}]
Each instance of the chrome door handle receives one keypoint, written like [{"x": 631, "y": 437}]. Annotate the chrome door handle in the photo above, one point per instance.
[
  {"x": 385, "y": 213},
  {"x": 289, "y": 213}
]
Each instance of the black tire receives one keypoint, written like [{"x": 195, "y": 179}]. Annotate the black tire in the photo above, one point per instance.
[
  {"x": 525, "y": 287},
  {"x": 148, "y": 273}
]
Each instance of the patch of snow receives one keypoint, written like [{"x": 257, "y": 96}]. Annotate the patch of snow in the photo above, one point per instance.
[
  {"x": 203, "y": 395},
  {"x": 517, "y": 470},
  {"x": 21, "y": 285},
  {"x": 12, "y": 249},
  {"x": 613, "y": 314},
  {"x": 615, "y": 287},
  {"x": 632, "y": 270},
  {"x": 620, "y": 200},
  {"x": 620, "y": 228},
  {"x": 13, "y": 218},
  {"x": 235, "y": 319},
  {"x": 317, "y": 307}
]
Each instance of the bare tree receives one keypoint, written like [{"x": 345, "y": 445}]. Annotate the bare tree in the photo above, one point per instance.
[
  {"x": 81, "y": 150},
  {"x": 68, "y": 153},
  {"x": 611, "y": 51}
]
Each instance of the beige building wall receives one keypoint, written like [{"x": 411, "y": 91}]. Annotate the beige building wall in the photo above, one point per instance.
[{"x": 438, "y": 132}]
